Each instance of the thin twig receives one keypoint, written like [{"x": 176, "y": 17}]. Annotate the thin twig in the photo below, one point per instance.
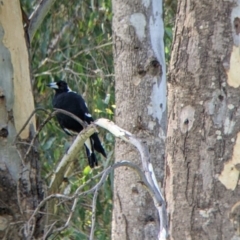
[
  {"x": 41, "y": 204},
  {"x": 28, "y": 120},
  {"x": 94, "y": 203},
  {"x": 78, "y": 194},
  {"x": 106, "y": 172},
  {"x": 86, "y": 50},
  {"x": 49, "y": 230},
  {"x": 51, "y": 115}
]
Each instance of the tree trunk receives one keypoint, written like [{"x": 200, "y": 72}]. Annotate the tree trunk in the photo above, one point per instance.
[
  {"x": 20, "y": 186},
  {"x": 202, "y": 186},
  {"x": 141, "y": 109}
]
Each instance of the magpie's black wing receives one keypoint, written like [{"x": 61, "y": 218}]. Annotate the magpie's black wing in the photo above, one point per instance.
[{"x": 73, "y": 103}]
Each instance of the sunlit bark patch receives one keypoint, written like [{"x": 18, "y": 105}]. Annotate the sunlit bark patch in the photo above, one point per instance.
[
  {"x": 233, "y": 72},
  {"x": 230, "y": 173}
]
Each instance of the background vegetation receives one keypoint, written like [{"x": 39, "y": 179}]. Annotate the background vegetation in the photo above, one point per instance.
[{"x": 74, "y": 44}]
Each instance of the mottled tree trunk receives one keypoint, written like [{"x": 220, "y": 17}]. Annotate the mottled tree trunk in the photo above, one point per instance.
[
  {"x": 202, "y": 183},
  {"x": 141, "y": 109},
  {"x": 20, "y": 186}
]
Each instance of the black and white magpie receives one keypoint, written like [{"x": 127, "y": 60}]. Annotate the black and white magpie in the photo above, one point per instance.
[{"x": 72, "y": 102}]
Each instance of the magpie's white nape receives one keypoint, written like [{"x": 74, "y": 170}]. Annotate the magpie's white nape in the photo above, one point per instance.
[{"x": 72, "y": 102}]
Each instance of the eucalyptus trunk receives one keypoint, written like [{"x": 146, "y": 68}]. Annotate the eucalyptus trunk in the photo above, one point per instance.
[
  {"x": 141, "y": 109},
  {"x": 20, "y": 185},
  {"x": 202, "y": 182}
]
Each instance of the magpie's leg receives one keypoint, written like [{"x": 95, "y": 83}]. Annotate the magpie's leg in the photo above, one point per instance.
[{"x": 92, "y": 160}]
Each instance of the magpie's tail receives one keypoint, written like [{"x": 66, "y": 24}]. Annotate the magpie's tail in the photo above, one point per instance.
[
  {"x": 92, "y": 160},
  {"x": 97, "y": 144}
]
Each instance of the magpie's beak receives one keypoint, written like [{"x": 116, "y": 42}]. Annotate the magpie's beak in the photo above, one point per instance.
[{"x": 53, "y": 85}]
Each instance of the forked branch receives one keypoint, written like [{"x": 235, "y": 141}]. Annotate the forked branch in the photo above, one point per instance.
[
  {"x": 147, "y": 175},
  {"x": 148, "y": 171}
]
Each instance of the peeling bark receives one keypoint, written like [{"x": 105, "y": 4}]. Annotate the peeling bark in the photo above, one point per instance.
[{"x": 202, "y": 182}]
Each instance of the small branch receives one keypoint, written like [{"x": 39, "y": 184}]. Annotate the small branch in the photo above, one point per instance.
[
  {"x": 49, "y": 230},
  {"x": 95, "y": 189},
  {"x": 57, "y": 110},
  {"x": 61, "y": 196},
  {"x": 51, "y": 115},
  {"x": 72, "y": 152},
  {"x": 47, "y": 59},
  {"x": 94, "y": 203},
  {"x": 28, "y": 120},
  {"x": 57, "y": 38},
  {"x": 43, "y": 202},
  {"x": 38, "y": 15}
]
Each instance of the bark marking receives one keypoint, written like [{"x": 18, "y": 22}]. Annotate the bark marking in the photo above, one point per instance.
[
  {"x": 157, "y": 104},
  {"x": 187, "y": 118},
  {"x": 146, "y": 3},
  {"x": 233, "y": 72},
  {"x": 228, "y": 126},
  {"x": 138, "y": 21},
  {"x": 235, "y": 23},
  {"x": 230, "y": 173}
]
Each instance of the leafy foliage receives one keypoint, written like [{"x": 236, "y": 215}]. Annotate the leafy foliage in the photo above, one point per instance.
[
  {"x": 74, "y": 44},
  {"x": 170, "y": 8}
]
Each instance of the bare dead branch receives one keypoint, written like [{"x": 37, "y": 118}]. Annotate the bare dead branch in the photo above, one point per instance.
[
  {"x": 72, "y": 152},
  {"x": 153, "y": 187},
  {"x": 95, "y": 190}
]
